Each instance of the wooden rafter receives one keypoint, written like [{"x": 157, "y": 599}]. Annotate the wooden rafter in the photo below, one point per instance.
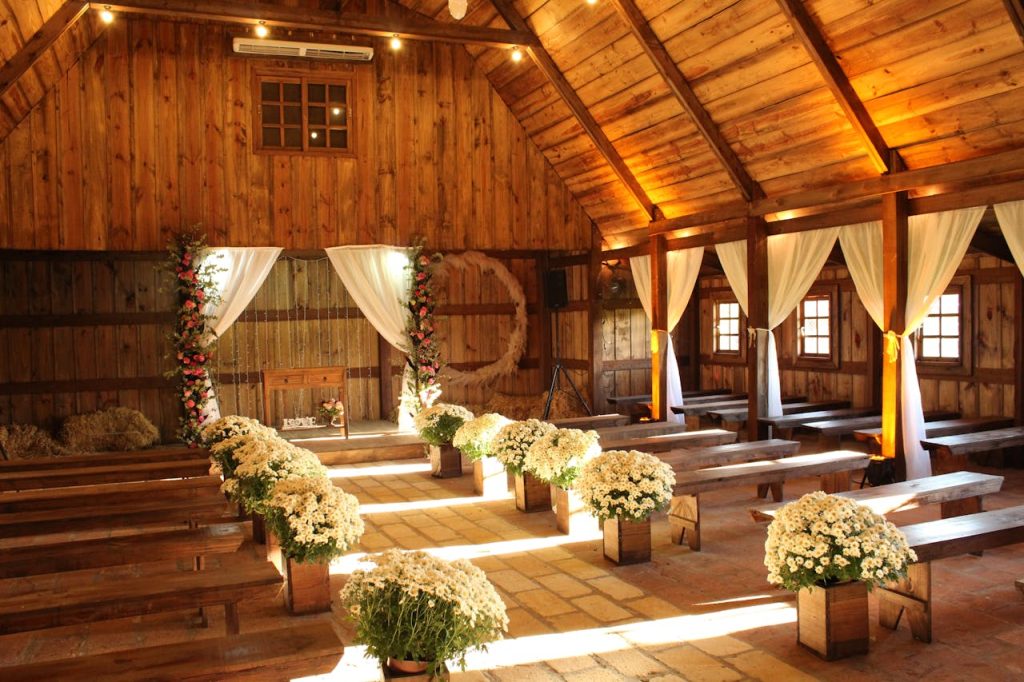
[
  {"x": 1015, "y": 8},
  {"x": 814, "y": 42},
  {"x": 34, "y": 48},
  {"x": 324, "y": 20},
  {"x": 677, "y": 83},
  {"x": 551, "y": 71}
]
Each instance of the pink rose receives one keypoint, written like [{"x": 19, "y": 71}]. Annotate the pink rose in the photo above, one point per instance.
[{"x": 190, "y": 404}]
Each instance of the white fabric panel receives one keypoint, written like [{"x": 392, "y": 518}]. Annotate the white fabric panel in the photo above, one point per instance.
[
  {"x": 241, "y": 271},
  {"x": 683, "y": 266},
  {"x": 1011, "y": 220},
  {"x": 733, "y": 257},
  {"x": 862, "y": 249},
  {"x": 377, "y": 279}
]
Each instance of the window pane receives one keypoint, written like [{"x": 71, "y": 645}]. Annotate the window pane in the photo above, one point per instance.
[
  {"x": 271, "y": 137},
  {"x": 733, "y": 343},
  {"x": 823, "y": 346},
  {"x": 950, "y": 348},
  {"x": 270, "y": 92},
  {"x": 930, "y": 348},
  {"x": 337, "y": 93},
  {"x": 822, "y": 307},
  {"x": 318, "y": 138},
  {"x": 811, "y": 328},
  {"x": 950, "y": 303},
  {"x": 271, "y": 113},
  {"x": 733, "y": 327},
  {"x": 810, "y": 308},
  {"x": 292, "y": 92},
  {"x": 810, "y": 346},
  {"x": 316, "y": 92},
  {"x": 317, "y": 115},
  {"x": 951, "y": 326},
  {"x": 293, "y": 115},
  {"x": 339, "y": 139},
  {"x": 935, "y": 307},
  {"x": 931, "y": 326},
  {"x": 823, "y": 327},
  {"x": 732, "y": 309},
  {"x": 338, "y": 115},
  {"x": 293, "y": 138}
]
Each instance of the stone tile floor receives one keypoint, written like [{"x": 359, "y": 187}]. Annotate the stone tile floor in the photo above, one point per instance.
[{"x": 575, "y": 616}]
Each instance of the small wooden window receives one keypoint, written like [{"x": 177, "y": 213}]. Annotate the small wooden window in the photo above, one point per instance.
[
  {"x": 300, "y": 114},
  {"x": 940, "y": 337},
  {"x": 815, "y": 331},
  {"x": 727, "y": 327}
]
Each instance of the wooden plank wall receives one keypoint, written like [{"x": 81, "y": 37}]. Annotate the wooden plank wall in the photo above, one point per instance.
[
  {"x": 151, "y": 131},
  {"x": 573, "y": 333}
]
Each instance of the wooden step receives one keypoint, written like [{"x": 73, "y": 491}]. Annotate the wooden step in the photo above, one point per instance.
[
  {"x": 688, "y": 459},
  {"x": 63, "y": 477},
  {"x": 672, "y": 440},
  {"x": 107, "y": 494},
  {"x": 103, "y": 459}
]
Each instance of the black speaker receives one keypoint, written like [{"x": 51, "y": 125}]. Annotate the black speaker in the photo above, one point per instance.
[{"x": 556, "y": 295}]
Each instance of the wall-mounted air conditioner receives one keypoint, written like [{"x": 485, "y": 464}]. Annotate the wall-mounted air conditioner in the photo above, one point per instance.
[{"x": 292, "y": 49}]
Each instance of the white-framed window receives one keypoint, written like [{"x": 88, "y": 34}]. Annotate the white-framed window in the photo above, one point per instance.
[
  {"x": 727, "y": 327},
  {"x": 815, "y": 327},
  {"x": 941, "y": 334}
]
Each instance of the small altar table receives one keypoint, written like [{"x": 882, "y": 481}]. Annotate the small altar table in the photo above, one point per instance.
[{"x": 301, "y": 378}]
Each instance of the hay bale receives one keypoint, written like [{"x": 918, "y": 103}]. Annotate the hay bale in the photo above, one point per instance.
[
  {"x": 22, "y": 441},
  {"x": 116, "y": 428}
]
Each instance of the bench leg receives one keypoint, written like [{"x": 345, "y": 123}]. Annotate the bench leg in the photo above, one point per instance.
[
  {"x": 836, "y": 483},
  {"x": 762, "y": 490},
  {"x": 775, "y": 488},
  {"x": 969, "y": 505},
  {"x": 231, "y": 618},
  {"x": 912, "y": 595},
  {"x": 684, "y": 520}
]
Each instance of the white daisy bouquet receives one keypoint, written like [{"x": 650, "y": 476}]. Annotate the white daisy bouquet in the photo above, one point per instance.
[
  {"x": 414, "y": 606},
  {"x": 557, "y": 457},
  {"x": 314, "y": 520},
  {"x": 437, "y": 425},
  {"x": 222, "y": 452},
  {"x": 513, "y": 441},
  {"x": 823, "y": 538},
  {"x": 233, "y": 425},
  {"x": 626, "y": 485},
  {"x": 475, "y": 438},
  {"x": 260, "y": 464}
]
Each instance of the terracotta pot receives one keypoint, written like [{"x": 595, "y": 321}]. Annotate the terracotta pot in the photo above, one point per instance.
[
  {"x": 627, "y": 542},
  {"x": 307, "y": 587},
  {"x": 532, "y": 494},
  {"x": 399, "y": 665},
  {"x": 445, "y": 461},
  {"x": 832, "y": 621},
  {"x": 489, "y": 478},
  {"x": 259, "y": 529},
  {"x": 571, "y": 515}
]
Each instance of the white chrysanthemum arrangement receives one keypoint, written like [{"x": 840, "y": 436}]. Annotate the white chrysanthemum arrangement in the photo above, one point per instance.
[
  {"x": 437, "y": 425},
  {"x": 822, "y": 539},
  {"x": 558, "y": 456},
  {"x": 625, "y": 485},
  {"x": 261, "y": 464},
  {"x": 475, "y": 438},
  {"x": 233, "y": 425},
  {"x": 414, "y": 606},
  {"x": 222, "y": 452},
  {"x": 314, "y": 520},
  {"x": 513, "y": 441}
]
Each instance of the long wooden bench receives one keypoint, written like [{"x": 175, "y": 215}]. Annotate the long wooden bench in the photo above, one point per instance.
[
  {"x": 629, "y": 399},
  {"x": 37, "y": 559},
  {"x": 785, "y": 424},
  {"x": 715, "y": 398},
  {"x": 688, "y": 459},
  {"x": 937, "y": 429},
  {"x": 831, "y": 431},
  {"x": 108, "y": 494},
  {"x": 684, "y": 511},
  {"x": 671, "y": 441},
  {"x": 642, "y": 430},
  {"x": 959, "y": 493},
  {"x": 738, "y": 415},
  {"x": 949, "y": 452},
  {"x": 941, "y": 539},
  {"x": 597, "y": 421},
  {"x": 702, "y": 409},
  {"x": 26, "y": 607},
  {"x": 300, "y": 650},
  {"x": 103, "y": 459},
  {"x": 704, "y": 392},
  {"x": 63, "y": 477}
]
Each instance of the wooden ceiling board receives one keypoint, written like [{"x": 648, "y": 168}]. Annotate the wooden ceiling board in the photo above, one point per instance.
[
  {"x": 844, "y": 171},
  {"x": 966, "y": 146}
]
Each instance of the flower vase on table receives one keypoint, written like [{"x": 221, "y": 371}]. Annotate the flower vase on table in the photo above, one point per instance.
[{"x": 333, "y": 410}]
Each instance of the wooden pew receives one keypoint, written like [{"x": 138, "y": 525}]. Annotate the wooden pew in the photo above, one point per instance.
[
  {"x": 949, "y": 452},
  {"x": 716, "y": 398},
  {"x": 689, "y": 459},
  {"x": 684, "y": 511},
  {"x": 1020, "y": 585},
  {"x": 702, "y": 409},
  {"x": 935, "y": 540},
  {"x": 738, "y": 415},
  {"x": 831, "y": 431},
  {"x": 959, "y": 493},
  {"x": 63, "y": 477},
  {"x": 937, "y": 429},
  {"x": 642, "y": 430},
  {"x": 37, "y": 559},
  {"x": 597, "y": 421},
  {"x": 704, "y": 393},
  {"x": 641, "y": 398},
  {"x": 299, "y": 650},
  {"x": 785, "y": 424},
  {"x": 671, "y": 440},
  {"x": 103, "y": 459},
  {"x": 108, "y": 494},
  {"x": 635, "y": 407},
  {"x": 26, "y": 606}
]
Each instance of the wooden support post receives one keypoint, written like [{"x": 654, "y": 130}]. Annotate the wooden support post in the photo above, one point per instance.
[
  {"x": 597, "y": 398},
  {"x": 543, "y": 321},
  {"x": 895, "y": 243},
  {"x": 873, "y": 376},
  {"x": 757, "y": 318},
  {"x": 387, "y": 393},
  {"x": 1018, "y": 351},
  {"x": 659, "y": 327}
]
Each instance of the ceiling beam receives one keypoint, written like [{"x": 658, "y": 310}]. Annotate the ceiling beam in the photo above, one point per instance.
[
  {"x": 1015, "y": 8},
  {"x": 410, "y": 28},
  {"x": 550, "y": 70},
  {"x": 43, "y": 39},
  {"x": 821, "y": 54},
  {"x": 677, "y": 83}
]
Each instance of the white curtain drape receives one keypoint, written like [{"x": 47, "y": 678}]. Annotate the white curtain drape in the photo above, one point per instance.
[
  {"x": 794, "y": 262},
  {"x": 683, "y": 267},
  {"x": 240, "y": 272},
  {"x": 1011, "y": 221},
  {"x": 936, "y": 245},
  {"x": 377, "y": 279}
]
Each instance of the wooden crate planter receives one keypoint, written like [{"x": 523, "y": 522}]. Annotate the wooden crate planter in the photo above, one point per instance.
[
  {"x": 445, "y": 461},
  {"x": 273, "y": 551},
  {"x": 627, "y": 542},
  {"x": 833, "y": 621},
  {"x": 393, "y": 670},
  {"x": 259, "y": 529},
  {"x": 489, "y": 477},
  {"x": 571, "y": 515},
  {"x": 307, "y": 587},
  {"x": 532, "y": 495}
]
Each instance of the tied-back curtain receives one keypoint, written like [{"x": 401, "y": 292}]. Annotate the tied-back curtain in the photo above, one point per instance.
[
  {"x": 1011, "y": 220},
  {"x": 936, "y": 246},
  {"x": 794, "y": 262},
  {"x": 683, "y": 267},
  {"x": 377, "y": 279},
  {"x": 240, "y": 272}
]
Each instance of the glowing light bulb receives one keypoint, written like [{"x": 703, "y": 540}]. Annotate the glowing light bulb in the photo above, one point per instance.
[
  {"x": 336, "y": 111},
  {"x": 314, "y": 134},
  {"x": 262, "y": 31},
  {"x": 591, "y": 2},
  {"x": 517, "y": 54},
  {"x": 396, "y": 43},
  {"x": 106, "y": 16}
]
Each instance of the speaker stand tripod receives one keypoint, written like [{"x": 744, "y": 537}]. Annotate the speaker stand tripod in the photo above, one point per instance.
[{"x": 558, "y": 370}]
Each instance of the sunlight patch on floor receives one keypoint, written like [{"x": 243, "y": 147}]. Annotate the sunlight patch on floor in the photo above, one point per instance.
[
  {"x": 419, "y": 505},
  {"x": 378, "y": 470}
]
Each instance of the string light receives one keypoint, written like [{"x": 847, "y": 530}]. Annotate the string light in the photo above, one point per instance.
[
  {"x": 517, "y": 54},
  {"x": 336, "y": 111},
  {"x": 396, "y": 43},
  {"x": 106, "y": 16},
  {"x": 591, "y": 2},
  {"x": 314, "y": 135},
  {"x": 261, "y": 30}
]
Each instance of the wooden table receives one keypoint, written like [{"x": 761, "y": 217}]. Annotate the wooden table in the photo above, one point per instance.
[{"x": 302, "y": 378}]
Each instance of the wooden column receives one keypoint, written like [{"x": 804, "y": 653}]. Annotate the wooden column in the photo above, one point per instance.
[
  {"x": 387, "y": 394},
  {"x": 895, "y": 244},
  {"x": 659, "y": 327},
  {"x": 873, "y": 376},
  {"x": 597, "y": 398},
  {"x": 757, "y": 318},
  {"x": 1018, "y": 351},
  {"x": 543, "y": 322}
]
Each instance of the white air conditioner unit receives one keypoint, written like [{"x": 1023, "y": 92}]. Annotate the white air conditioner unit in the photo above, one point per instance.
[{"x": 290, "y": 48}]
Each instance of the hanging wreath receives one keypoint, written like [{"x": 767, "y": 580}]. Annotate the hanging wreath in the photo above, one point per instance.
[{"x": 508, "y": 362}]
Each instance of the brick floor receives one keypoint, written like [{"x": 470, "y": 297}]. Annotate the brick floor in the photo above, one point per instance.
[{"x": 575, "y": 616}]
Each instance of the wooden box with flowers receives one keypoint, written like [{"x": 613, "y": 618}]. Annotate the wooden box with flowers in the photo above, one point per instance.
[
  {"x": 557, "y": 458},
  {"x": 437, "y": 425},
  {"x": 622, "y": 489},
  {"x": 510, "y": 446},
  {"x": 475, "y": 439},
  {"x": 830, "y": 550}
]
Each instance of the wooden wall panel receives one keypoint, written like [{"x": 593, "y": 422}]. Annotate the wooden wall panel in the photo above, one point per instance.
[{"x": 625, "y": 334}]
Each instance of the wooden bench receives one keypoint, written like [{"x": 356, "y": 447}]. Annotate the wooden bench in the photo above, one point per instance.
[
  {"x": 702, "y": 409},
  {"x": 684, "y": 511},
  {"x": 949, "y": 452},
  {"x": 103, "y": 459},
  {"x": 716, "y": 398},
  {"x": 642, "y": 430},
  {"x": 704, "y": 392},
  {"x": 738, "y": 415},
  {"x": 688, "y": 459},
  {"x": 1020, "y": 585},
  {"x": 597, "y": 421},
  {"x": 937, "y": 429},
  {"x": 785, "y": 424},
  {"x": 941, "y": 539},
  {"x": 16, "y": 562},
  {"x": 300, "y": 650},
  {"x": 74, "y": 602},
  {"x": 107, "y": 494},
  {"x": 831, "y": 431},
  {"x": 636, "y": 407},
  {"x": 671, "y": 441},
  {"x": 63, "y": 477},
  {"x": 959, "y": 493}
]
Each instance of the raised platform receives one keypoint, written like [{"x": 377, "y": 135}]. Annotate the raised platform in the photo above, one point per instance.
[{"x": 369, "y": 441}]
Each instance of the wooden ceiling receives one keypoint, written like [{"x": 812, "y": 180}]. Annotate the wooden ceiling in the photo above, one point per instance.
[{"x": 938, "y": 80}]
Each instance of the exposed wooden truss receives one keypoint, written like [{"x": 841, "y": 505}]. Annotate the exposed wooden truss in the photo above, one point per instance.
[
  {"x": 677, "y": 83},
  {"x": 324, "y": 20},
  {"x": 590, "y": 126},
  {"x": 1016, "y": 10},
  {"x": 34, "y": 48}
]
